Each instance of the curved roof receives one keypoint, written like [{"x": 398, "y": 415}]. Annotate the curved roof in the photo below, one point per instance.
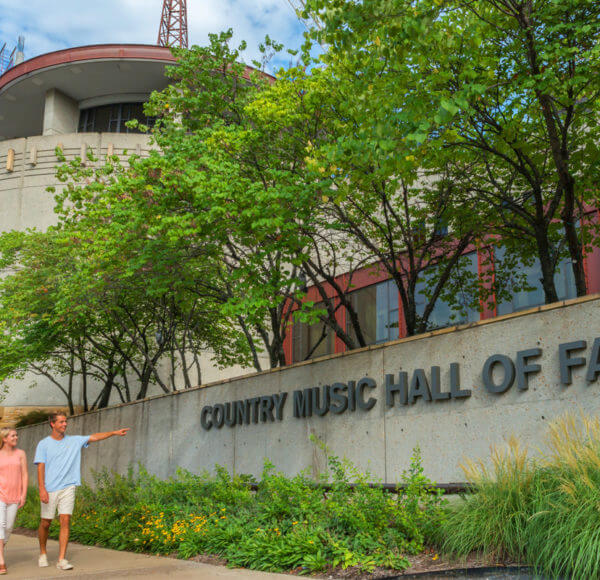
[{"x": 89, "y": 75}]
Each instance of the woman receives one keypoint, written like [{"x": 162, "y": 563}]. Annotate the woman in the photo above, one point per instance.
[{"x": 13, "y": 485}]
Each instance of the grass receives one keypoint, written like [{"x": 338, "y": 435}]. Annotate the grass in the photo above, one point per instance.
[{"x": 544, "y": 512}]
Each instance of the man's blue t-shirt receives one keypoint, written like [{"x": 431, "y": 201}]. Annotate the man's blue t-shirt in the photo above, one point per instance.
[{"x": 62, "y": 460}]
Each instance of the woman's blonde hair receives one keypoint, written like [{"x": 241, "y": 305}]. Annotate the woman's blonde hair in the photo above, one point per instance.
[{"x": 4, "y": 433}]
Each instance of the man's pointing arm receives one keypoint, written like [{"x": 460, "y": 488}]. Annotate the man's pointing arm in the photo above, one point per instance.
[{"x": 107, "y": 434}]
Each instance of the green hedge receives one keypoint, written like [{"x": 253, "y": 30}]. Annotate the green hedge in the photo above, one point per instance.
[{"x": 288, "y": 524}]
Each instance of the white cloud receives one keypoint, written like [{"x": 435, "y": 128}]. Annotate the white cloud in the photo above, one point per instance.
[{"x": 49, "y": 26}]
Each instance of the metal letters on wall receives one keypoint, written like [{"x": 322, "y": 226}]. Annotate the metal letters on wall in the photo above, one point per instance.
[{"x": 499, "y": 373}]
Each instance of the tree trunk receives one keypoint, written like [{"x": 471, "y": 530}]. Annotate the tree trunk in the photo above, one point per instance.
[
  {"x": 575, "y": 251},
  {"x": 144, "y": 382},
  {"x": 104, "y": 398},
  {"x": 560, "y": 156},
  {"x": 548, "y": 266}
]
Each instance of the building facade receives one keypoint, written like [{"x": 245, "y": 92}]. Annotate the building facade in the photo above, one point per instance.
[{"x": 375, "y": 298}]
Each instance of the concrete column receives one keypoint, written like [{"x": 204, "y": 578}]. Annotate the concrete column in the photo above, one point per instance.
[{"x": 61, "y": 114}]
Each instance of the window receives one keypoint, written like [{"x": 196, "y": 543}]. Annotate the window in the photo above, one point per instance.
[
  {"x": 377, "y": 309},
  {"x": 460, "y": 309},
  {"x": 113, "y": 118},
  {"x": 87, "y": 121},
  {"x": 523, "y": 299},
  {"x": 311, "y": 340}
]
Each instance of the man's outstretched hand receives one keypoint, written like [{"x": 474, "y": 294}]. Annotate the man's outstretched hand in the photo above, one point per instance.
[{"x": 107, "y": 434}]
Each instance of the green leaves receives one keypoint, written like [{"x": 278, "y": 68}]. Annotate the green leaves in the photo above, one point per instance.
[
  {"x": 496, "y": 97},
  {"x": 288, "y": 524}
]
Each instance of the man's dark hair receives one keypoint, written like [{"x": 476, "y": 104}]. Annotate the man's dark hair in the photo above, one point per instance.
[{"x": 52, "y": 417}]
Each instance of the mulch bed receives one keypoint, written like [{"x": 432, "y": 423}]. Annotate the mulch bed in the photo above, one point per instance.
[
  {"x": 25, "y": 532},
  {"x": 426, "y": 562}
]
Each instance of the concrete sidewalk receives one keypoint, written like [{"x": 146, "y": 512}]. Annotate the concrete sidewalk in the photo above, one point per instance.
[{"x": 90, "y": 562}]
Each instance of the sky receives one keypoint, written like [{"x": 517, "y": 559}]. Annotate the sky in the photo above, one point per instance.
[{"x": 50, "y": 25}]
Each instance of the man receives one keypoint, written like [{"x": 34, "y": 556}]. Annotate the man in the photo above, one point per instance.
[{"x": 58, "y": 460}]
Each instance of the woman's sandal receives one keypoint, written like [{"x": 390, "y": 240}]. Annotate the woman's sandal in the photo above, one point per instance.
[{"x": 2, "y": 569}]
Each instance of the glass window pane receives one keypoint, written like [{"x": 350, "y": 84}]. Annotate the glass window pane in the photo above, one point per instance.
[
  {"x": 311, "y": 341},
  {"x": 114, "y": 122},
  {"x": 102, "y": 118},
  {"x": 443, "y": 313},
  {"x": 112, "y": 118},
  {"x": 393, "y": 311},
  {"x": 364, "y": 302},
  {"x": 86, "y": 121},
  {"x": 523, "y": 299},
  {"x": 377, "y": 309}
]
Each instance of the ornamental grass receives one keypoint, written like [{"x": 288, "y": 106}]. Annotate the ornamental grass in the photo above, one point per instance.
[{"x": 541, "y": 511}]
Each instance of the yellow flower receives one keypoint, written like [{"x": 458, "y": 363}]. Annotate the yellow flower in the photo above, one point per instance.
[{"x": 435, "y": 557}]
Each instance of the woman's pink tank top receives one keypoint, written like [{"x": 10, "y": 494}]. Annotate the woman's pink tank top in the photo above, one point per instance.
[{"x": 10, "y": 478}]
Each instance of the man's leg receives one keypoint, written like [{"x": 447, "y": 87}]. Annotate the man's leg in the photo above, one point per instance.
[
  {"x": 63, "y": 537},
  {"x": 43, "y": 534},
  {"x": 65, "y": 506},
  {"x": 43, "y": 539},
  {"x": 47, "y": 512}
]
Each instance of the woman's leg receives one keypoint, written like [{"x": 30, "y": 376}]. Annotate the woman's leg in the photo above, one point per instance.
[
  {"x": 2, "y": 530},
  {"x": 11, "y": 516}
]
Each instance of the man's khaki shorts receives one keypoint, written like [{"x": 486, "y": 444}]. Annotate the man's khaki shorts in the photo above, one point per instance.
[{"x": 62, "y": 501}]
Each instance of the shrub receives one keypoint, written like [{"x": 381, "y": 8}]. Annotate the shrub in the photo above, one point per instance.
[
  {"x": 289, "y": 523},
  {"x": 32, "y": 418}
]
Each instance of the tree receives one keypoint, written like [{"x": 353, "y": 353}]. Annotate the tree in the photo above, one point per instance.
[
  {"x": 371, "y": 194},
  {"x": 240, "y": 141},
  {"x": 503, "y": 96},
  {"x": 93, "y": 300}
]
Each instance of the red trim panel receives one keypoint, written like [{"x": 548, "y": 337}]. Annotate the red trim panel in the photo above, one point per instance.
[
  {"x": 83, "y": 53},
  {"x": 93, "y": 52}
]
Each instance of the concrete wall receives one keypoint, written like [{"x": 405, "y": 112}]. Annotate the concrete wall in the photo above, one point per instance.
[
  {"x": 167, "y": 432},
  {"x": 61, "y": 114},
  {"x": 24, "y": 201}
]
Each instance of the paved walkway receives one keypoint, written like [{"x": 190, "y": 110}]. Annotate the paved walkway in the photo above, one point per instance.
[{"x": 89, "y": 562}]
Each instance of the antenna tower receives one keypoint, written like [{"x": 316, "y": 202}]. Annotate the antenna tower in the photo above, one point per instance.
[
  {"x": 7, "y": 58},
  {"x": 173, "y": 24}
]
